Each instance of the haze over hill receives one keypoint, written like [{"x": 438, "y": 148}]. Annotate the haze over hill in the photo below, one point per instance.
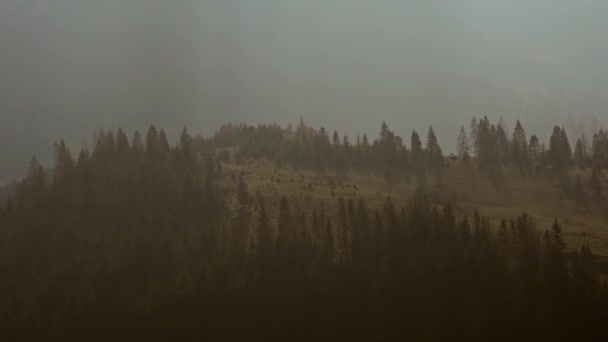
[{"x": 70, "y": 66}]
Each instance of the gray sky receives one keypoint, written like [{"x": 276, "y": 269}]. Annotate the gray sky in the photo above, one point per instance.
[{"x": 71, "y": 66}]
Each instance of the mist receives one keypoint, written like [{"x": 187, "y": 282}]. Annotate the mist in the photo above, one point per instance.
[{"x": 72, "y": 66}]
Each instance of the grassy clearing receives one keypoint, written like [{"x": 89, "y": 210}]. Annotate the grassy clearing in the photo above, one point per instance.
[{"x": 462, "y": 184}]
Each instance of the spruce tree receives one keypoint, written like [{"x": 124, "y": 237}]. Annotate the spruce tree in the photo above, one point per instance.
[
  {"x": 579, "y": 154},
  {"x": 64, "y": 163},
  {"x": 463, "y": 146},
  {"x": 534, "y": 149},
  {"x": 433, "y": 150},
  {"x": 556, "y": 235},
  {"x": 474, "y": 132},
  {"x": 137, "y": 144},
  {"x": 519, "y": 144},
  {"x": 416, "y": 147},
  {"x": 122, "y": 143}
]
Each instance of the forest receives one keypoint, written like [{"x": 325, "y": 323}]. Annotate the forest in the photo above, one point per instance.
[{"x": 138, "y": 238}]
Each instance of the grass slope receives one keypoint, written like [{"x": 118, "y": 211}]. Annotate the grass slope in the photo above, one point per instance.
[{"x": 463, "y": 184}]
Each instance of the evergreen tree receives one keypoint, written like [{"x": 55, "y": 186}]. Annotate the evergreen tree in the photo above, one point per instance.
[
  {"x": 163, "y": 142},
  {"x": 137, "y": 145},
  {"x": 433, "y": 149},
  {"x": 519, "y": 144},
  {"x": 474, "y": 131},
  {"x": 185, "y": 142},
  {"x": 416, "y": 147},
  {"x": 600, "y": 148},
  {"x": 384, "y": 132},
  {"x": 264, "y": 231},
  {"x": 64, "y": 163},
  {"x": 486, "y": 142},
  {"x": 580, "y": 153},
  {"x": 122, "y": 143},
  {"x": 503, "y": 145},
  {"x": 131, "y": 242},
  {"x": 284, "y": 225},
  {"x": 35, "y": 175},
  {"x": 557, "y": 238},
  {"x": 534, "y": 149},
  {"x": 83, "y": 157},
  {"x": 559, "y": 153},
  {"x": 463, "y": 145},
  {"x": 152, "y": 145}
]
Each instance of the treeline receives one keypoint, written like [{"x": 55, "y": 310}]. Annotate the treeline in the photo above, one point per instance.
[
  {"x": 140, "y": 239},
  {"x": 594, "y": 154},
  {"x": 487, "y": 142}
]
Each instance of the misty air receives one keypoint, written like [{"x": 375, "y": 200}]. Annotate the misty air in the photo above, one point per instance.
[{"x": 313, "y": 170}]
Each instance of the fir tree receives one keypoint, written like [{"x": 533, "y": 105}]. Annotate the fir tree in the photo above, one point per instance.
[{"x": 463, "y": 146}]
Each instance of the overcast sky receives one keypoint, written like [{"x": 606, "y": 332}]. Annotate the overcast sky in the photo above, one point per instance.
[{"x": 68, "y": 67}]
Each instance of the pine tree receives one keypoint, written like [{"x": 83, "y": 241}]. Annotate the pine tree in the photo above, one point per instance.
[
  {"x": 83, "y": 157},
  {"x": 557, "y": 238},
  {"x": 486, "y": 142},
  {"x": 534, "y": 149},
  {"x": 559, "y": 153},
  {"x": 567, "y": 149},
  {"x": 185, "y": 142},
  {"x": 384, "y": 132},
  {"x": 284, "y": 225},
  {"x": 600, "y": 148},
  {"x": 163, "y": 142},
  {"x": 152, "y": 144},
  {"x": 503, "y": 145},
  {"x": 264, "y": 232},
  {"x": 433, "y": 150},
  {"x": 64, "y": 163},
  {"x": 365, "y": 142},
  {"x": 503, "y": 232},
  {"x": 579, "y": 153},
  {"x": 519, "y": 144},
  {"x": 122, "y": 143},
  {"x": 416, "y": 147},
  {"x": 163, "y": 145},
  {"x": 463, "y": 145},
  {"x": 35, "y": 175},
  {"x": 474, "y": 131},
  {"x": 365, "y": 149},
  {"x": 186, "y": 155},
  {"x": 137, "y": 145}
]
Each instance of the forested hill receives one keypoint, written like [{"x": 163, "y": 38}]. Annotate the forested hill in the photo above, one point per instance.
[{"x": 263, "y": 233}]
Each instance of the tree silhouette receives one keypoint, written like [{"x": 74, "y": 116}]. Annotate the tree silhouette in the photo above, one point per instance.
[{"x": 463, "y": 146}]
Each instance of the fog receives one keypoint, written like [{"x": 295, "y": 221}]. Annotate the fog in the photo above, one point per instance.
[{"x": 69, "y": 67}]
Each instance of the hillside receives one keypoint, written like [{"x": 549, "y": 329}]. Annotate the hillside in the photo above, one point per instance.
[
  {"x": 463, "y": 185},
  {"x": 258, "y": 232}
]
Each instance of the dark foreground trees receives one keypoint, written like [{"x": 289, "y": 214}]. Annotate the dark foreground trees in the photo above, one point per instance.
[{"x": 143, "y": 242}]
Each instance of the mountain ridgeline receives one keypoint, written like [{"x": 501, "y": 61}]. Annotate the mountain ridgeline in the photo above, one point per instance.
[{"x": 138, "y": 238}]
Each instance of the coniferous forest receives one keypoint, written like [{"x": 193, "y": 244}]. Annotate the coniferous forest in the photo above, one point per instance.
[{"x": 140, "y": 238}]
